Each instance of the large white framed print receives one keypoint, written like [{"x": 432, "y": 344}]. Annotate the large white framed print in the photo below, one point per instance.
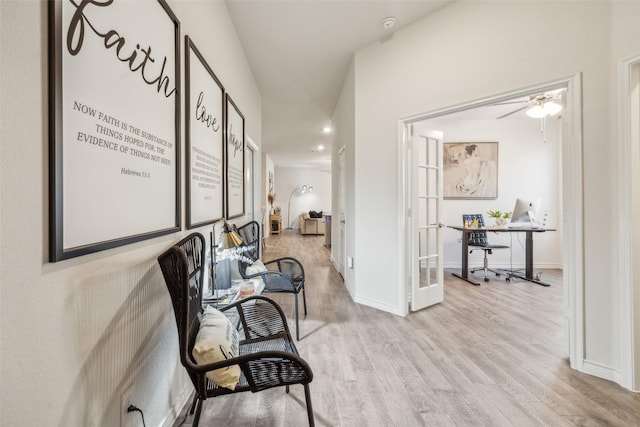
[
  {"x": 114, "y": 124},
  {"x": 235, "y": 160},
  {"x": 204, "y": 112}
]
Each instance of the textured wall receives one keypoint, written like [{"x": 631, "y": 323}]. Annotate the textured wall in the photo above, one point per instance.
[{"x": 77, "y": 333}]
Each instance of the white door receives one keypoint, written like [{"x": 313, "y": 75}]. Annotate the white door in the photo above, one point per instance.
[{"x": 425, "y": 229}]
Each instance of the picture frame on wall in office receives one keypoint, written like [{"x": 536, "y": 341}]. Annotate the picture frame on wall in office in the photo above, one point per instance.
[
  {"x": 235, "y": 159},
  {"x": 204, "y": 116},
  {"x": 470, "y": 170},
  {"x": 114, "y": 124}
]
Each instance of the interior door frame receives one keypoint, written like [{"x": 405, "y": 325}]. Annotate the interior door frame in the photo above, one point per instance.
[
  {"x": 629, "y": 207},
  {"x": 572, "y": 202},
  {"x": 254, "y": 180},
  {"x": 340, "y": 218}
]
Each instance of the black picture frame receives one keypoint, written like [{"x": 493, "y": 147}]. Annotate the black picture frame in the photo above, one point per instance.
[
  {"x": 205, "y": 135},
  {"x": 234, "y": 165},
  {"x": 114, "y": 124}
]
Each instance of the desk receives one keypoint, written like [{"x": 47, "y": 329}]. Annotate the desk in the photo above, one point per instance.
[{"x": 528, "y": 272}]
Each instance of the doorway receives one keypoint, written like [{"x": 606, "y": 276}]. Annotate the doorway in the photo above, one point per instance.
[{"x": 570, "y": 195}]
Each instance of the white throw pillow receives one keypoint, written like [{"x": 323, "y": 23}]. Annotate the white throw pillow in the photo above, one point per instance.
[
  {"x": 256, "y": 267},
  {"x": 217, "y": 340}
]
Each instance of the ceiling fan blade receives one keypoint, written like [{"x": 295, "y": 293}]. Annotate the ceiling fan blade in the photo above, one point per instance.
[
  {"x": 513, "y": 112},
  {"x": 511, "y": 102}
]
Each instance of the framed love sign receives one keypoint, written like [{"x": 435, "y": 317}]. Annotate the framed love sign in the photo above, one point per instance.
[
  {"x": 204, "y": 112},
  {"x": 114, "y": 124}
]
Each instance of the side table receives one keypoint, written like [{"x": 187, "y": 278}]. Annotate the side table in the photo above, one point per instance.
[{"x": 276, "y": 224}]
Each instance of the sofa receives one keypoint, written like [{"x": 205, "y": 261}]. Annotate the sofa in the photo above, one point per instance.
[{"x": 309, "y": 225}]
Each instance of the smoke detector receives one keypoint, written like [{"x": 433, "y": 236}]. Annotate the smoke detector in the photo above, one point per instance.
[{"x": 388, "y": 23}]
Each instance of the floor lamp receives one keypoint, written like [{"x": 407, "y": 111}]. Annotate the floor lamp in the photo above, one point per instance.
[
  {"x": 299, "y": 189},
  {"x": 229, "y": 239}
]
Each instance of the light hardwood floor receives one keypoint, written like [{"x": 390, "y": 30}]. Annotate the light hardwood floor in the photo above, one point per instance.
[{"x": 490, "y": 355}]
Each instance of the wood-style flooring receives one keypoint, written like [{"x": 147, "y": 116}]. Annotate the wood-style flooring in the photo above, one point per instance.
[{"x": 491, "y": 355}]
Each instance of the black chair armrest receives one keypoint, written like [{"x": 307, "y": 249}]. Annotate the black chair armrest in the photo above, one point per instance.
[
  {"x": 289, "y": 266},
  {"x": 262, "y": 369}
]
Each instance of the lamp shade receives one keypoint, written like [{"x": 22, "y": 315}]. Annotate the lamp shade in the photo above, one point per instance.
[
  {"x": 229, "y": 239},
  {"x": 544, "y": 109}
]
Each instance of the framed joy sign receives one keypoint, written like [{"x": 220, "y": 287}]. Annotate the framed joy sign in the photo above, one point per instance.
[
  {"x": 204, "y": 114},
  {"x": 114, "y": 124},
  {"x": 235, "y": 160}
]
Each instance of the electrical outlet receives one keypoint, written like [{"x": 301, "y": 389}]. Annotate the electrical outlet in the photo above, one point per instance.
[{"x": 127, "y": 419}]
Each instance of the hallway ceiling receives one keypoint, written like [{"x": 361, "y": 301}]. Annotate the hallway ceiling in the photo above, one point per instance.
[{"x": 299, "y": 52}]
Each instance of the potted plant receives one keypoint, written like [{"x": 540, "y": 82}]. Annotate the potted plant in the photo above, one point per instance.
[{"x": 500, "y": 217}]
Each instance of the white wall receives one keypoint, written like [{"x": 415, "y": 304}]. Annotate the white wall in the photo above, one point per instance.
[
  {"x": 468, "y": 51},
  {"x": 289, "y": 178},
  {"x": 624, "y": 43},
  {"x": 75, "y": 334},
  {"x": 344, "y": 138},
  {"x": 527, "y": 167}
]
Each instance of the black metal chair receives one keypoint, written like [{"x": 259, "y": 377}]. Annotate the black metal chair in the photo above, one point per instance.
[
  {"x": 250, "y": 233},
  {"x": 267, "y": 354},
  {"x": 286, "y": 276},
  {"x": 478, "y": 240}
]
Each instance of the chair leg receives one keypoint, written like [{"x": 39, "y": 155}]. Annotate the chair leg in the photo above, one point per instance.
[
  {"x": 307, "y": 398},
  {"x": 196, "y": 418},
  {"x": 297, "y": 323},
  {"x": 304, "y": 300},
  {"x": 486, "y": 266},
  {"x": 193, "y": 404}
]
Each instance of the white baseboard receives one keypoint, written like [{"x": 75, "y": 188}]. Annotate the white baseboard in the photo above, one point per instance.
[
  {"x": 178, "y": 405},
  {"x": 378, "y": 305},
  {"x": 505, "y": 266},
  {"x": 601, "y": 371}
]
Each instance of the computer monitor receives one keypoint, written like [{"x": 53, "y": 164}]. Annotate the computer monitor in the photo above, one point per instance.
[{"x": 525, "y": 213}]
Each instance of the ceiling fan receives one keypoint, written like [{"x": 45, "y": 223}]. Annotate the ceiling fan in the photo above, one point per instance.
[{"x": 539, "y": 106}]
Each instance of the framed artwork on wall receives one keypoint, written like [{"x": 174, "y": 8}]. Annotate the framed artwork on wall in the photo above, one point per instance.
[
  {"x": 114, "y": 124},
  {"x": 470, "y": 170},
  {"x": 204, "y": 113},
  {"x": 235, "y": 160}
]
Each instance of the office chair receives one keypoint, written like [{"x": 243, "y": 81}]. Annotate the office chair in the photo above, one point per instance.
[{"x": 478, "y": 240}]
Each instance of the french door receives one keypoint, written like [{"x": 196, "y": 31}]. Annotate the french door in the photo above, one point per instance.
[{"x": 424, "y": 163}]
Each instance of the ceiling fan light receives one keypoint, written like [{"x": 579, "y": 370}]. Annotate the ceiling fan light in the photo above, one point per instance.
[
  {"x": 537, "y": 112},
  {"x": 543, "y": 110},
  {"x": 552, "y": 108}
]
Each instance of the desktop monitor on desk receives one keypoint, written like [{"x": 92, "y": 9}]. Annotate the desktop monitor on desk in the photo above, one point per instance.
[{"x": 525, "y": 213}]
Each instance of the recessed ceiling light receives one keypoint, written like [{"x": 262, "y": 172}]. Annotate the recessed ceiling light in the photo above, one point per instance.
[
  {"x": 320, "y": 147},
  {"x": 388, "y": 22},
  {"x": 326, "y": 129}
]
